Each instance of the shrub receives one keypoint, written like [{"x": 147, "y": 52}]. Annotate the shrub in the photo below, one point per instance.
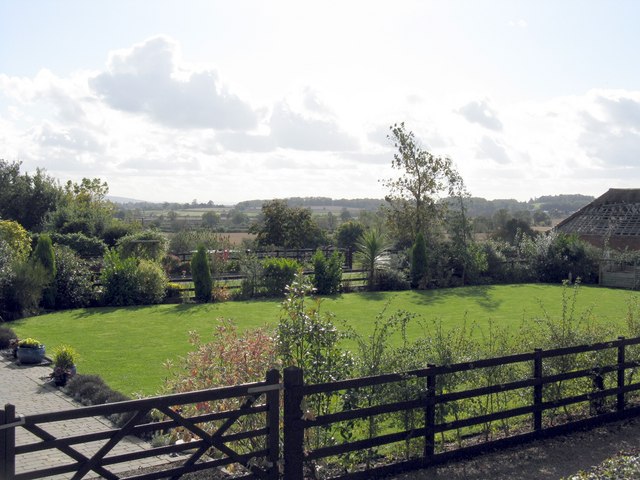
[
  {"x": 309, "y": 340},
  {"x": 278, "y": 274},
  {"x": 188, "y": 240},
  {"x": 390, "y": 280},
  {"x": 151, "y": 283},
  {"x": 173, "y": 265},
  {"x": 86, "y": 247},
  {"x": 327, "y": 272},
  {"x": 148, "y": 244},
  {"x": 131, "y": 282},
  {"x": 116, "y": 230},
  {"x": 230, "y": 358},
  {"x": 64, "y": 356},
  {"x": 22, "y": 294},
  {"x": 173, "y": 290},
  {"x": 74, "y": 285},
  {"x": 559, "y": 257},
  {"x": 92, "y": 390},
  {"x": 6, "y": 336},
  {"x": 45, "y": 256},
  {"x": 253, "y": 271},
  {"x": 16, "y": 237},
  {"x": 118, "y": 279},
  {"x": 201, "y": 274}
]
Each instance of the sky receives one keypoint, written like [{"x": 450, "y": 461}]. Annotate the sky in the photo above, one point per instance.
[{"x": 188, "y": 100}]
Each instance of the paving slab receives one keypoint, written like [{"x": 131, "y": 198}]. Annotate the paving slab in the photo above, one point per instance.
[{"x": 28, "y": 388}]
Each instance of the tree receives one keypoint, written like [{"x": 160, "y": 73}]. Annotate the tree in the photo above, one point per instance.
[
  {"x": 419, "y": 262},
  {"x": 25, "y": 198},
  {"x": 201, "y": 274},
  {"x": 210, "y": 219},
  {"x": 412, "y": 200},
  {"x": 348, "y": 234},
  {"x": 83, "y": 209},
  {"x": 288, "y": 227}
]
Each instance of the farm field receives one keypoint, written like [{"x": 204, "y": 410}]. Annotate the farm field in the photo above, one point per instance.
[{"x": 127, "y": 346}]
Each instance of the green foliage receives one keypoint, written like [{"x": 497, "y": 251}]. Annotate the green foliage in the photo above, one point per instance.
[
  {"x": 419, "y": 262},
  {"x": 371, "y": 248},
  {"x": 570, "y": 328},
  {"x": 423, "y": 177},
  {"x": 201, "y": 274},
  {"x": 16, "y": 237},
  {"x": 557, "y": 257},
  {"x": 64, "y": 356},
  {"x": 287, "y": 227},
  {"x": 118, "y": 229},
  {"x": 389, "y": 279},
  {"x": 129, "y": 281},
  {"x": 21, "y": 295},
  {"x": 327, "y": 272},
  {"x": 188, "y": 240},
  {"x": 512, "y": 231},
  {"x": 348, "y": 234},
  {"x": 86, "y": 247},
  {"x": 118, "y": 278},
  {"x": 29, "y": 343},
  {"x": 151, "y": 283},
  {"x": 229, "y": 358},
  {"x": 27, "y": 199},
  {"x": 253, "y": 271},
  {"x": 278, "y": 274},
  {"x": 73, "y": 281},
  {"x": 7, "y": 336},
  {"x": 309, "y": 340},
  {"x": 210, "y": 219},
  {"x": 45, "y": 256},
  {"x": 148, "y": 245},
  {"x": 83, "y": 209}
]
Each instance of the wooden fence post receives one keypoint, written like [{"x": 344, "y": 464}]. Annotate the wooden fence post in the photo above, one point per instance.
[
  {"x": 430, "y": 418},
  {"x": 537, "y": 390},
  {"x": 273, "y": 424},
  {"x": 293, "y": 430},
  {"x": 7, "y": 443},
  {"x": 621, "y": 359}
]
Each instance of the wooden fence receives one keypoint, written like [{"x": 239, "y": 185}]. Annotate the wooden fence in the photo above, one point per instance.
[
  {"x": 216, "y": 436},
  {"x": 541, "y": 393}
]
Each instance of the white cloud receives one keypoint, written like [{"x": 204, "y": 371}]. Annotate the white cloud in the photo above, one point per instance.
[
  {"x": 293, "y": 130},
  {"x": 491, "y": 149},
  {"x": 149, "y": 79},
  {"x": 480, "y": 112}
]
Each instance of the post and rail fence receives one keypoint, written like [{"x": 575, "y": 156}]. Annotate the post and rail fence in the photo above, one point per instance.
[{"x": 287, "y": 439}]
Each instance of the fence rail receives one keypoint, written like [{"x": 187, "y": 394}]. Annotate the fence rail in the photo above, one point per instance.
[{"x": 534, "y": 398}]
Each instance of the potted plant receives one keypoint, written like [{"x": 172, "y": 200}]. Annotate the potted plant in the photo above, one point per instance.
[
  {"x": 64, "y": 364},
  {"x": 30, "y": 351}
]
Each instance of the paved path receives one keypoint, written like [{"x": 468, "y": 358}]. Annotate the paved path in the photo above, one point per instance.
[{"x": 28, "y": 388}]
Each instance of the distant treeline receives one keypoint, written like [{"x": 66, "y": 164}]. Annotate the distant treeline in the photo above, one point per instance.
[{"x": 555, "y": 205}]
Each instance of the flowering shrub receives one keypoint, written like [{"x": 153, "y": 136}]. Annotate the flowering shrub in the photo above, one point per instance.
[{"x": 230, "y": 358}]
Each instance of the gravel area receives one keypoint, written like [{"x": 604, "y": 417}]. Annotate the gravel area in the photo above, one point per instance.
[{"x": 607, "y": 452}]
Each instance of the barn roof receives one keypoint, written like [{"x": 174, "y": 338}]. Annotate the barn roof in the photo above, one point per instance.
[{"x": 616, "y": 213}]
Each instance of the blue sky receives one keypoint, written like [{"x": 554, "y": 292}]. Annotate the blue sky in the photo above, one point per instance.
[{"x": 229, "y": 101}]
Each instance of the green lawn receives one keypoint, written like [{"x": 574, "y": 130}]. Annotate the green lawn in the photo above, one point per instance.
[{"x": 127, "y": 346}]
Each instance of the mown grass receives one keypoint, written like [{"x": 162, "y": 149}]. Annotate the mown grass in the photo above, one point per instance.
[{"x": 127, "y": 346}]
